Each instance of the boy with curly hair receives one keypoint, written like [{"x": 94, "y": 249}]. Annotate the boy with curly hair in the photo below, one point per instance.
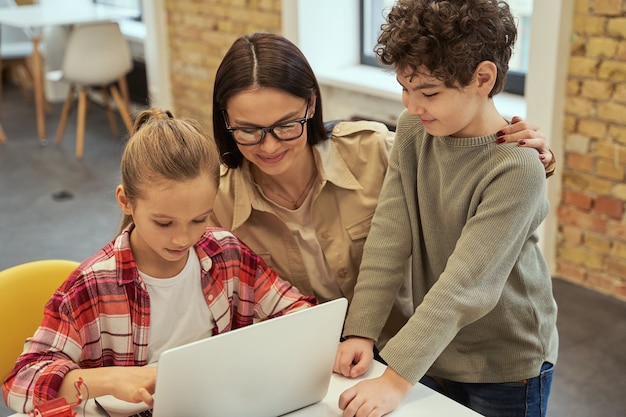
[{"x": 466, "y": 211}]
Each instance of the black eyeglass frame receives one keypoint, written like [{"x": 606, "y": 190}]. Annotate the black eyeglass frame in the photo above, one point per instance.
[{"x": 270, "y": 129}]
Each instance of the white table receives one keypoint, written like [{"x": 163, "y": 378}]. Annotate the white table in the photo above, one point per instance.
[
  {"x": 420, "y": 401},
  {"x": 35, "y": 17}
]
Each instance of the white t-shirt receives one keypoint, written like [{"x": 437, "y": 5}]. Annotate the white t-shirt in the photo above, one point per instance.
[{"x": 179, "y": 313}]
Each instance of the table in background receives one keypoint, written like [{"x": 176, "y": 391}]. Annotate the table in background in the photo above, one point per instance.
[{"x": 35, "y": 17}]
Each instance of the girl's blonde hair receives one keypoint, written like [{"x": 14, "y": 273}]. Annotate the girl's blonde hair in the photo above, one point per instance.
[{"x": 162, "y": 147}]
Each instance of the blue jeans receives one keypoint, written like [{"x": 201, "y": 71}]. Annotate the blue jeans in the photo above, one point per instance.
[{"x": 527, "y": 398}]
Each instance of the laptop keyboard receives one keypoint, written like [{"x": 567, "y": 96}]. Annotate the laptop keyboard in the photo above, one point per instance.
[
  {"x": 103, "y": 411},
  {"x": 147, "y": 413}
]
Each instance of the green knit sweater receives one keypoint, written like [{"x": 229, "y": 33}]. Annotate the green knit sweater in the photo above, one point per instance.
[{"x": 466, "y": 210}]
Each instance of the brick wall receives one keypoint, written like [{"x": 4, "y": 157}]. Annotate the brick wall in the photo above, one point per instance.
[
  {"x": 592, "y": 222},
  {"x": 200, "y": 32}
]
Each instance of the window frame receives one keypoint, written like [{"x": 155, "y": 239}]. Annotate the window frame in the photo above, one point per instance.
[
  {"x": 114, "y": 3},
  {"x": 515, "y": 82}
]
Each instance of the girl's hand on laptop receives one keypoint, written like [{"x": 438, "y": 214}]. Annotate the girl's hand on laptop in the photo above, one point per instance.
[
  {"x": 135, "y": 384},
  {"x": 354, "y": 356}
]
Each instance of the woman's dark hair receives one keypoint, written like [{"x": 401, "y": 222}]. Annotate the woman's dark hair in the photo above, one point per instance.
[{"x": 263, "y": 60}]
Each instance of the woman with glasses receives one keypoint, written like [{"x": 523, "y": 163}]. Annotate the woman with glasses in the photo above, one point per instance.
[{"x": 300, "y": 195}]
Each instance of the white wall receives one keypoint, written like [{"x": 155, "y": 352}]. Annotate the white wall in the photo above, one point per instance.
[
  {"x": 156, "y": 49},
  {"x": 545, "y": 95}
]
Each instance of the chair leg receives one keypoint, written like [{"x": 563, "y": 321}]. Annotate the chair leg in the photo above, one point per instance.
[
  {"x": 30, "y": 79},
  {"x": 24, "y": 78},
  {"x": 80, "y": 124},
  {"x": 40, "y": 95},
  {"x": 110, "y": 115},
  {"x": 122, "y": 108},
  {"x": 1, "y": 79},
  {"x": 123, "y": 83},
  {"x": 64, "y": 113},
  {"x": 3, "y": 137}
]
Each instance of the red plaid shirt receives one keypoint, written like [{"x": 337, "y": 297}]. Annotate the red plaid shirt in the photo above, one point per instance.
[{"x": 100, "y": 316}]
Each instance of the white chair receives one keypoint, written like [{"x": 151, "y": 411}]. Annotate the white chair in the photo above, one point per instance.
[{"x": 96, "y": 56}]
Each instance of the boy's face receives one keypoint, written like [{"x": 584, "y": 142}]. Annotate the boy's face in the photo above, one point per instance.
[
  {"x": 169, "y": 218},
  {"x": 444, "y": 111}
]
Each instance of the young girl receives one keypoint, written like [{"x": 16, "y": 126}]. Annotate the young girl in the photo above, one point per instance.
[{"x": 166, "y": 280}]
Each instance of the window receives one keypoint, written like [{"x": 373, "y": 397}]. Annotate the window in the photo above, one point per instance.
[
  {"x": 373, "y": 14},
  {"x": 518, "y": 65},
  {"x": 132, "y": 6}
]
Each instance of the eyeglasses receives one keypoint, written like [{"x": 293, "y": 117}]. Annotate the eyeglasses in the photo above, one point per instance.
[{"x": 284, "y": 131}]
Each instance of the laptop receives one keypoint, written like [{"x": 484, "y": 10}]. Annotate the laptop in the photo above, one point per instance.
[{"x": 264, "y": 370}]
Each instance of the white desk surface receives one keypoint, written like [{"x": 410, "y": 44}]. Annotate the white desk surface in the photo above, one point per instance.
[
  {"x": 420, "y": 401},
  {"x": 60, "y": 12}
]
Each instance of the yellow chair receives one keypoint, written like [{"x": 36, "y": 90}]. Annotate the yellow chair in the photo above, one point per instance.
[{"x": 24, "y": 290}]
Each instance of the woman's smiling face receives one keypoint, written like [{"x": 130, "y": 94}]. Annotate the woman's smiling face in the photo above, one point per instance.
[{"x": 265, "y": 107}]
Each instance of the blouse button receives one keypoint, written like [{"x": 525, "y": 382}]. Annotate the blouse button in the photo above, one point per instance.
[{"x": 210, "y": 297}]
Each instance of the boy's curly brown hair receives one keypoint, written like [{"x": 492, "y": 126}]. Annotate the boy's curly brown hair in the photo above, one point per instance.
[{"x": 449, "y": 38}]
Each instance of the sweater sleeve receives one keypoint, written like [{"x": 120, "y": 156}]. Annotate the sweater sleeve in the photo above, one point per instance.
[{"x": 386, "y": 250}]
